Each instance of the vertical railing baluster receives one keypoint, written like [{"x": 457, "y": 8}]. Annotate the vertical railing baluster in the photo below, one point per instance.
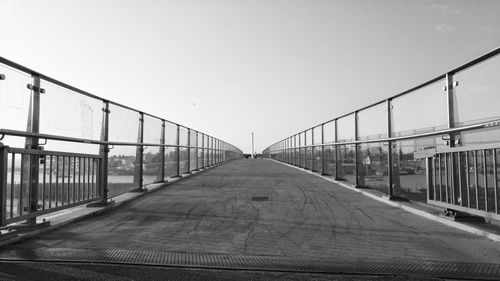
[
  {"x": 74, "y": 179},
  {"x": 63, "y": 180},
  {"x": 452, "y": 178},
  {"x": 440, "y": 178},
  {"x": 446, "y": 166},
  {"x": 495, "y": 179},
  {"x": 84, "y": 179},
  {"x": 50, "y": 181},
  {"x": 44, "y": 181},
  {"x": 12, "y": 192},
  {"x": 57, "y": 182},
  {"x": 4, "y": 167},
  {"x": 89, "y": 182},
  {"x": 79, "y": 195},
  {"x": 460, "y": 178},
  {"x": 485, "y": 176},
  {"x": 476, "y": 179},
  {"x": 467, "y": 179}
]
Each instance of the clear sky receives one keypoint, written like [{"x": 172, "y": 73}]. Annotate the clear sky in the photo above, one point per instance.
[{"x": 229, "y": 68}]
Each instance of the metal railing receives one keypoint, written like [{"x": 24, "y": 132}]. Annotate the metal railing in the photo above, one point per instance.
[
  {"x": 61, "y": 146},
  {"x": 464, "y": 179},
  {"x": 378, "y": 146}
]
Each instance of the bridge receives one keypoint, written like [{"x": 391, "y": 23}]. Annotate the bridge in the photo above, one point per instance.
[{"x": 407, "y": 187}]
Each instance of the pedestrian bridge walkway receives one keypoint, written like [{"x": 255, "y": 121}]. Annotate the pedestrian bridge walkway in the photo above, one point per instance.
[
  {"x": 121, "y": 186},
  {"x": 261, "y": 214}
]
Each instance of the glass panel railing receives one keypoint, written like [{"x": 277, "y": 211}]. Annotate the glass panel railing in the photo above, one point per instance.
[
  {"x": 200, "y": 150},
  {"x": 345, "y": 128},
  {"x": 372, "y": 122},
  {"x": 329, "y": 132},
  {"x": 374, "y": 168},
  {"x": 476, "y": 100},
  {"x": 330, "y": 163},
  {"x": 347, "y": 163},
  {"x": 123, "y": 161},
  {"x": 193, "y": 151},
  {"x": 170, "y": 162},
  {"x": 476, "y": 93},
  {"x": 151, "y": 154},
  {"x": 422, "y": 110},
  {"x": 408, "y": 173},
  {"x": 67, "y": 113},
  {"x": 15, "y": 103},
  {"x": 183, "y": 151}
]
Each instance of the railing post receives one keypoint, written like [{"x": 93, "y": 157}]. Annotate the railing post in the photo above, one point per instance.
[
  {"x": 189, "y": 151},
  {"x": 202, "y": 150},
  {"x": 4, "y": 166},
  {"x": 454, "y": 138},
  {"x": 102, "y": 169},
  {"x": 162, "y": 151},
  {"x": 360, "y": 181},
  {"x": 305, "y": 149},
  {"x": 178, "y": 151},
  {"x": 336, "y": 149},
  {"x": 211, "y": 151},
  {"x": 454, "y": 141},
  {"x": 139, "y": 155},
  {"x": 197, "y": 152},
  {"x": 323, "y": 149},
  {"x": 33, "y": 143},
  {"x": 104, "y": 151},
  {"x": 389, "y": 158},
  {"x": 215, "y": 150}
]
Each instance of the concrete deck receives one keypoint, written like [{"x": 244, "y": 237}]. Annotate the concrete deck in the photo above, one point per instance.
[{"x": 263, "y": 208}]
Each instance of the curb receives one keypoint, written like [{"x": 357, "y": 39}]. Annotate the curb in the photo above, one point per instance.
[{"x": 454, "y": 224}]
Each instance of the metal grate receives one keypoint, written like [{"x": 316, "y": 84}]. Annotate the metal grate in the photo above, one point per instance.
[{"x": 268, "y": 263}]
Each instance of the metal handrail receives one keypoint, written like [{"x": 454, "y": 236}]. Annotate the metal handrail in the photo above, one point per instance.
[
  {"x": 32, "y": 72},
  {"x": 17, "y": 133},
  {"x": 489, "y": 124},
  {"x": 475, "y": 61}
]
